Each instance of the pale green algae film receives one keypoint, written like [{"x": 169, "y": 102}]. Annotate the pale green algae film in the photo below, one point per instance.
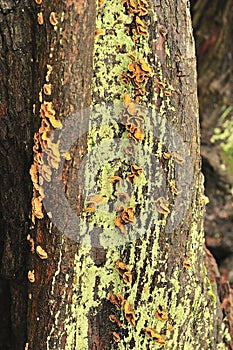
[{"x": 105, "y": 156}]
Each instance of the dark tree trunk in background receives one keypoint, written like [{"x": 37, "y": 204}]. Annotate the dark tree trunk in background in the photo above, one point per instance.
[
  {"x": 213, "y": 29},
  {"x": 17, "y": 126},
  {"x": 111, "y": 232}
]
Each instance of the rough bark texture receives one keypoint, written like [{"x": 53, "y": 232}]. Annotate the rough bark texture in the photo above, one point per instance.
[
  {"x": 117, "y": 132},
  {"x": 213, "y": 31},
  {"x": 17, "y": 75}
]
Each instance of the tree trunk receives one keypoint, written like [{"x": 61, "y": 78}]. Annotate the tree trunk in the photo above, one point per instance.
[
  {"x": 213, "y": 30},
  {"x": 117, "y": 257}
]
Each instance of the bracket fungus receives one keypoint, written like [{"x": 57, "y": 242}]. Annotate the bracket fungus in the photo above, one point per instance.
[
  {"x": 114, "y": 319},
  {"x": 40, "y": 18},
  {"x": 161, "y": 314},
  {"x": 41, "y": 253},
  {"x": 162, "y": 205},
  {"x": 116, "y": 299},
  {"x": 129, "y": 313},
  {"x": 124, "y": 271},
  {"x": 53, "y": 18},
  {"x": 31, "y": 276},
  {"x": 151, "y": 333},
  {"x": 37, "y": 207},
  {"x": 116, "y": 336}
]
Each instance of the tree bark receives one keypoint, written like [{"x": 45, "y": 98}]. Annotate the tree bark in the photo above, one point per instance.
[
  {"x": 117, "y": 255},
  {"x": 213, "y": 30},
  {"x": 16, "y": 138}
]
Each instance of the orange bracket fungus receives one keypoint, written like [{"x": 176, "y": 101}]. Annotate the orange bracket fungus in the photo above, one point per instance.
[
  {"x": 40, "y": 18},
  {"x": 32, "y": 243},
  {"x": 178, "y": 158},
  {"x": 37, "y": 207},
  {"x": 138, "y": 74},
  {"x": 124, "y": 271},
  {"x": 116, "y": 336},
  {"x": 162, "y": 205},
  {"x": 116, "y": 300},
  {"x": 53, "y": 18},
  {"x": 161, "y": 314},
  {"x": 129, "y": 313},
  {"x": 31, "y": 276},
  {"x": 41, "y": 252},
  {"x": 114, "y": 319},
  {"x": 47, "y": 89},
  {"x": 187, "y": 264},
  {"x": 125, "y": 216},
  {"x": 151, "y": 333},
  {"x": 166, "y": 155}
]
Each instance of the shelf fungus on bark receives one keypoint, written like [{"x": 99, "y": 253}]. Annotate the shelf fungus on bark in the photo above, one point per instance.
[
  {"x": 136, "y": 171},
  {"x": 135, "y": 133},
  {"x": 93, "y": 201},
  {"x": 187, "y": 264},
  {"x": 53, "y": 154},
  {"x": 115, "y": 179},
  {"x": 125, "y": 215},
  {"x": 32, "y": 243},
  {"x": 47, "y": 88},
  {"x": 120, "y": 302},
  {"x": 40, "y": 18},
  {"x": 31, "y": 276},
  {"x": 124, "y": 271},
  {"x": 41, "y": 253},
  {"x": 114, "y": 319},
  {"x": 138, "y": 74},
  {"x": 161, "y": 314},
  {"x": 53, "y": 18},
  {"x": 160, "y": 84},
  {"x": 204, "y": 200},
  {"x": 173, "y": 187},
  {"x": 166, "y": 155},
  {"x": 49, "y": 71},
  {"x": 116, "y": 299},
  {"x": 162, "y": 205},
  {"x": 129, "y": 313},
  {"x": 151, "y": 333},
  {"x": 139, "y": 9},
  {"x": 47, "y": 111},
  {"x": 99, "y": 32},
  {"x": 37, "y": 207},
  {"x": 116, "y": 336},
  {"x": 178, "y": 158}
]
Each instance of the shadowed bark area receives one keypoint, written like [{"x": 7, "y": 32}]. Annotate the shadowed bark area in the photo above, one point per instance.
[
  {"x": 213, "y": 32},
  {"x": 17, "y": 77}
]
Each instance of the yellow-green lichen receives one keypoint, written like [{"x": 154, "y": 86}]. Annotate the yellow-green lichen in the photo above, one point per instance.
[{"x": 183, "y": 295}]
